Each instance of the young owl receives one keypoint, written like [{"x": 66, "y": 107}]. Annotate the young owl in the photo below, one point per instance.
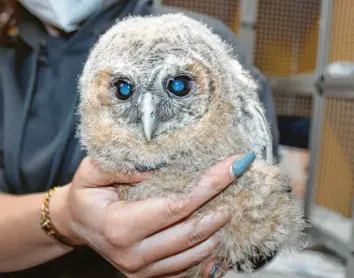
[{"x": 166, "y": 93}]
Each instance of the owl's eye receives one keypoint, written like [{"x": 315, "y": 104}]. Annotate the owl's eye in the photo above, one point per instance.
[
  {"x": 124, "y": 89},
  {"x": 180, "y": 85}
]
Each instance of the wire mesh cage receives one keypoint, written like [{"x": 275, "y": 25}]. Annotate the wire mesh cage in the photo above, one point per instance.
[
  {"x": 287, "y": 36},
  {"x": 225, "y": 10},
  {"x": 342, "y": 31},
  {"x": 335, "y": 168},
  {"x": 332, "y": 177},
  {"x": 288, "y": 104},
  {"x": 286, "y": 51},
  {"x": 295, "y": 41}
]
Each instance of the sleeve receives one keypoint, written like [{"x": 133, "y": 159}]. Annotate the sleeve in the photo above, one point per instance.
[{"x": 2, "y": 176}]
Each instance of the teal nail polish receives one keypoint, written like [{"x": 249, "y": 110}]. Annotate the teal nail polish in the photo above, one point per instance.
[
  {"x": 242, "y": 164},
  {"x": 215, "y": 271}
]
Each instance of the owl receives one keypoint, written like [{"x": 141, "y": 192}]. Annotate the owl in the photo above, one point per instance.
[{"x": 165, "y": 92}]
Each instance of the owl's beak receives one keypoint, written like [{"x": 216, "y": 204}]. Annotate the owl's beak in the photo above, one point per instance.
[{"x": 148, "y": 115}]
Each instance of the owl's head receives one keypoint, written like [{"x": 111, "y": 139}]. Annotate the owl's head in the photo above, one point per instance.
[{"x": 153, "y": 87}]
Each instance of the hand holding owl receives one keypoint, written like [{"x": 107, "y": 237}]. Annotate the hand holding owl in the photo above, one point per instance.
[
  {"x": 146, "y": 238},
  {"x": 166, "y": 93}
]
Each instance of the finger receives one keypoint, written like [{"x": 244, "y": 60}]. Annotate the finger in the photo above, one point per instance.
[
  {"x": 92, "y": 175},
  {"x": 103, "y": 253},
  {"x": 181, "y": 236},
  {"x": 182, "y": 260},
  {"x": 144, "y": 218},
  {"x": 210, "y": 183}
]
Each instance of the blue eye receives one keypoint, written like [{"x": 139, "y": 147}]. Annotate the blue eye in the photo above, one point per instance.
[
  {"x": 124, "y": 89},
  {"x": 180, "y": 85}
]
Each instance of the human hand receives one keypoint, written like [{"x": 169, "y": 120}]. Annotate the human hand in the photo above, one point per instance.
[{"x": 148, "y": 238}]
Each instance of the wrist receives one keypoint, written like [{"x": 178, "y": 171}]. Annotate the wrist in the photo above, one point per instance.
[{"x": 61, "y": 217}]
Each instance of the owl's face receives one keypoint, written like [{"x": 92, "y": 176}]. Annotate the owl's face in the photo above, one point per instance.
[
  {"x": 152, "y": 95},
  {"x": 156, "y": 80},
  {"x": 149, "y": 84}
]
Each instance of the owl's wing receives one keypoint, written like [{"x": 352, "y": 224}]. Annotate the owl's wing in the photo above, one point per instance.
[
  {"x": 260, "y": 135},
  {"x": 250, "y": 116}
]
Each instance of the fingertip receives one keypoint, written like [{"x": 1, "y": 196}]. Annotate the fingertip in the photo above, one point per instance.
[{"x": 241, "y": 165}]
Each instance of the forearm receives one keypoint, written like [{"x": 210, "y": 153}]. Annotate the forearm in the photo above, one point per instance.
[{"x": 23, "y": 244}]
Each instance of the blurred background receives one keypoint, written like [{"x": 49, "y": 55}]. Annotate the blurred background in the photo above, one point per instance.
[{"x": 305, "y": 48}]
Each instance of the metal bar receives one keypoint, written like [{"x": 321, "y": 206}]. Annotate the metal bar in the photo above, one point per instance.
[
  {"x": 248, "y": 21},
  {"x": 301, "y": 84},
  {"x": 323, "y": 42},
  {"x": 350, "y": 268},
  {"x": 352, "y": 231},
  {"x": 343, "y": 93},
  {"x": 317, "y": 108}
]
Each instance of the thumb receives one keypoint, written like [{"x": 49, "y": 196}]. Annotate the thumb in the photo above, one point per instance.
[{"x": 92, "y": 175}]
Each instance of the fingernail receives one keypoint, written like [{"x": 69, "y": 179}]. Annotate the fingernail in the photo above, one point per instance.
[
  {"x": 215, "y": 271},
  {"x": 241, "y": 165}
]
